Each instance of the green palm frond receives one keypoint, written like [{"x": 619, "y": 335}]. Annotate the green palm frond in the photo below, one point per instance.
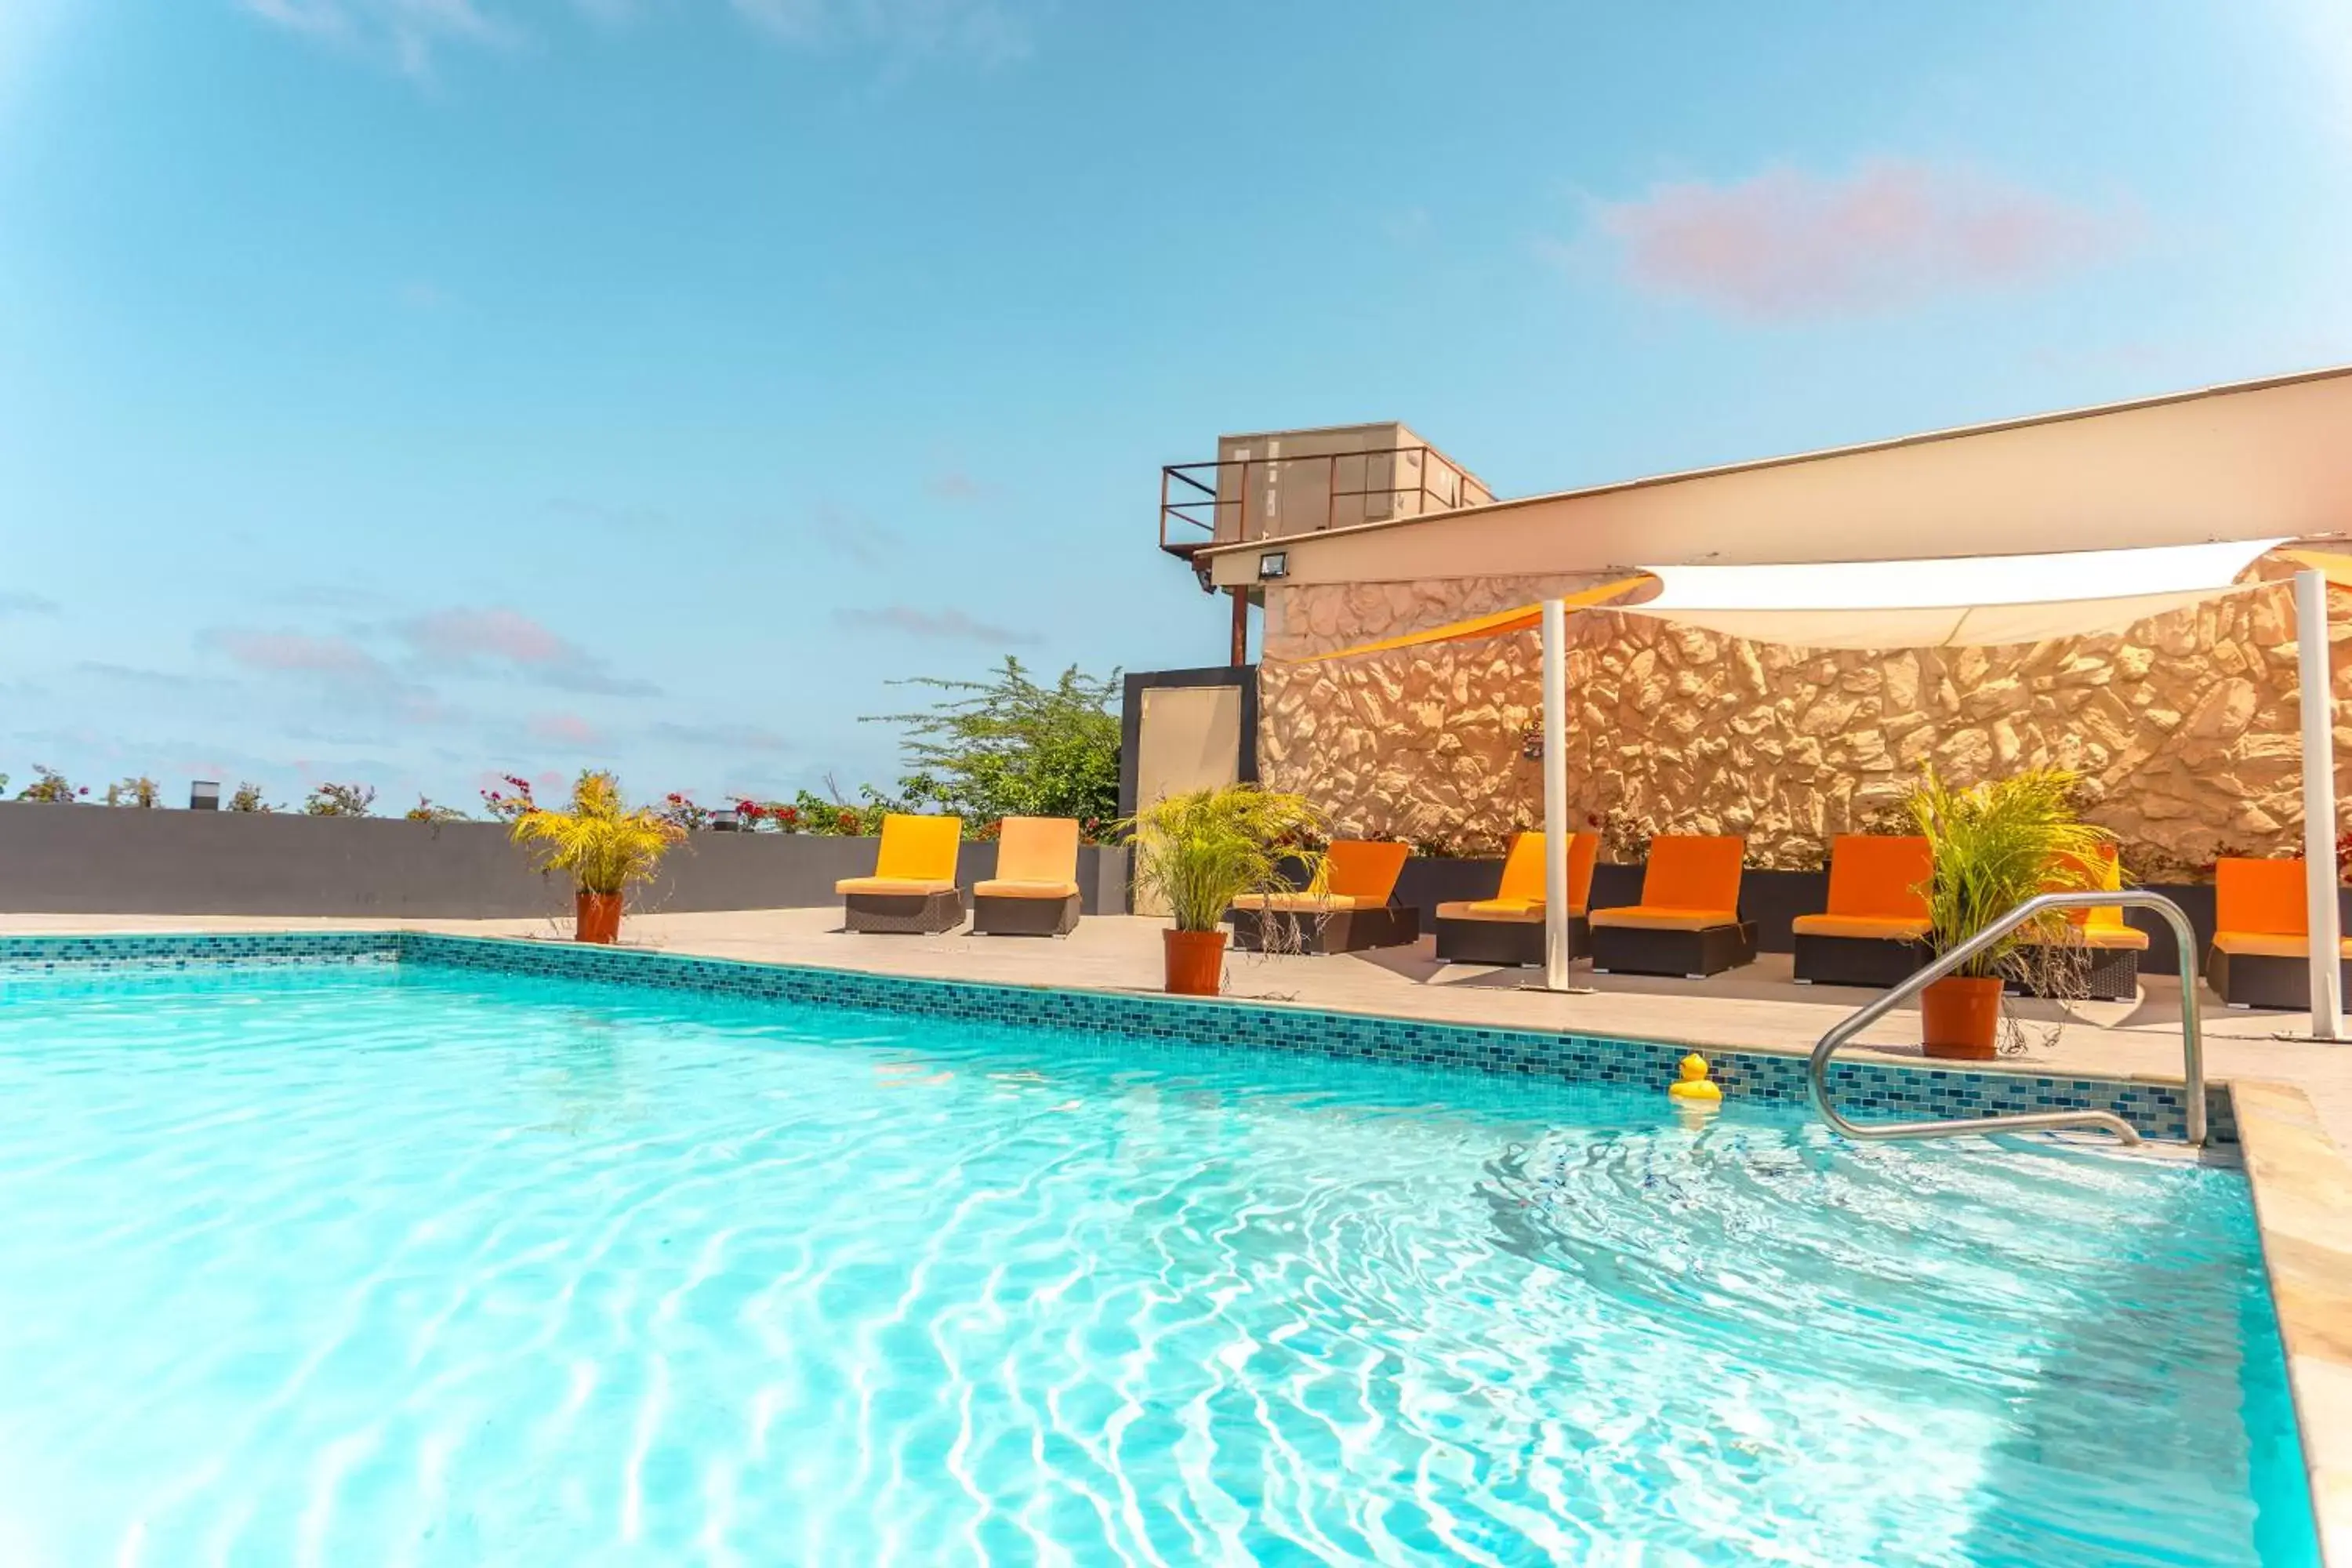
[
  {"x": 1199, "y": 851},
  {"x": 604, "y": 846},
  {"x": 1997, "y": 845}
]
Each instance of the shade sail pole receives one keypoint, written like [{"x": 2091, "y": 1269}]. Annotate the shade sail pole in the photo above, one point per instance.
[
  {"x": 1555, "y": 793},
  {"x": 2319, "y": 804}
]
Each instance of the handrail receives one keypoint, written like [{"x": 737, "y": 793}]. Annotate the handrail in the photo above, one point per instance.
[{"x": 2192, "y": 1039}]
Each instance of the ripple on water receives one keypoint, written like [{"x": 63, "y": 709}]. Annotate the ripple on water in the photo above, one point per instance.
[{"x": 409, "y": 1265}]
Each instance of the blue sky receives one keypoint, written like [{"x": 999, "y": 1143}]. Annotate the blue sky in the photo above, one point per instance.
[{"x": 408, "y": 391}]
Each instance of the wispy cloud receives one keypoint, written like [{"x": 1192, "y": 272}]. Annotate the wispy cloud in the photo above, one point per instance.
[
  {"x": 411, "y": 34},
  {"x": 984, "y": 32},
  {"x": 1786, "y": 245},
  {"x": 955, "y": 485},
  {"x": 470, "y": 641},
  {"x": 937, "y": 626},
  {"x": 346, "y": 673},
  {"x": 720, "y": 737},
  {"x": 565, "y": 730},
  {"x": 131, "y": 675},
  {"x": 854, "y": 536},
  {"x": 407, "y": 33},
  {"x": 14, "y": 604}
]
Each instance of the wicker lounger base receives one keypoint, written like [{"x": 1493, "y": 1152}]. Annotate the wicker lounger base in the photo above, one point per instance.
[
  {"x": 1024, "y": 917},
  {"x": 903, "y": 914},
  {"x": 1337, "y": 930},
  {"x": 1693, "y": 954},
  {"x": 2104, "y": 974},
  {"x": 2262, "y": 980},
  {"x": 1873, "y": 961},
  {"x": 1507, "y": 942}
]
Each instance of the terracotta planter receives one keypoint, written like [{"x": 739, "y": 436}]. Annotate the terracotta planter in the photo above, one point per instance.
[
  {"x": 1959, "y": 1017},
  {"x": 1196, "y": 961},
  {"x": 598, "y": 917}
]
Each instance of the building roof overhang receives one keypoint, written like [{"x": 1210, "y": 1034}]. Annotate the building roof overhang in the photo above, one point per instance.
[{"x": 2268, "y": 458}]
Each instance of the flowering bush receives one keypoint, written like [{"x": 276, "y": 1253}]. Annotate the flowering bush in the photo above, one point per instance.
[
  {"x": 679, "y": 810},
  {"x": 514, "y": 801},
  {"x": 340, "y": 800},
  {"x": 427, "y": 811},
  {"x": 134, "y": 792},
  {"x": 249, "y": 798},
  {"x": 50, "y": 785}
]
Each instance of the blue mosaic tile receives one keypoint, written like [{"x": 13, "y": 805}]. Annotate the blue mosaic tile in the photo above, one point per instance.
[{"x": 1866, "y": 1090}]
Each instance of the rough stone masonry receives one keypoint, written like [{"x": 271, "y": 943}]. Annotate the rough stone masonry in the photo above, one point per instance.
[{"x": 2185, "y": 726}]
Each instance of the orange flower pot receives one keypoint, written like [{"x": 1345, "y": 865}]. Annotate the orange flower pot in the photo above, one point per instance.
[
  {"x": 1959, "y": 1017},
  {"x": 598, "y": 917},
  {"x": 1196, "y": 961}
]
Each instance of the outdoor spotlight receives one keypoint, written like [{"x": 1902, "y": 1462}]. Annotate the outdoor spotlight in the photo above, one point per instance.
[
  {"x": 1273, "y": 564},
  {"x": 204, "y": 794},
  {"x": 724, "y": 820}
]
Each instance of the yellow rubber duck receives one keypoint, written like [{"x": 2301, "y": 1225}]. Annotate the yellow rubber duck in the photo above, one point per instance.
[{"x": 1694, "y": 1086}]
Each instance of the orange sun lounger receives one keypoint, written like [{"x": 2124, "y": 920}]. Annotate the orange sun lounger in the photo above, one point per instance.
[
  {"x": 1348, "y": 908},
  {"x": 913, "y": 889},
  {"x": 2261, "y": 935},
  {"x": 1688, "y": 922},
  {"x": 1035, "y": 890},
  {"x": 2110, "y": 948},
  {"x": 1875, "y": 931},
  {"x": 1508, "y": 929}
]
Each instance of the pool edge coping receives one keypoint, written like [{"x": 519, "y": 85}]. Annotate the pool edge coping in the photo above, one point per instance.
[{"x": 2302, "y": 1188}]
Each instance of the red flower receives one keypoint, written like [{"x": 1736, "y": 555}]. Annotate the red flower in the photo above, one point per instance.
[{"x": 787, "y": 814}]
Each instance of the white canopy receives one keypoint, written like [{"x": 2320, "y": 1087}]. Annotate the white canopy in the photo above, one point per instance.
[{"x": 1976, "y": 601}]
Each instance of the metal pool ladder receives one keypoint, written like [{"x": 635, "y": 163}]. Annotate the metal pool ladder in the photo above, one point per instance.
[{"x": 2192, "y": 1041}]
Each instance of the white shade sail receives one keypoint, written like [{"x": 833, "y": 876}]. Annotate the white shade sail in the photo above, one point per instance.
[{"x": 1977, "y": 601}]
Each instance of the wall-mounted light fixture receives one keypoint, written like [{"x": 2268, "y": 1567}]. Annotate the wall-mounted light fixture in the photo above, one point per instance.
[
  {"x": 204, "y": 794},
  {"x": 1273, "y": 564}
]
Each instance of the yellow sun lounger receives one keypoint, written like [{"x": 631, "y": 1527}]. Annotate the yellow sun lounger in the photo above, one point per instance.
[
  {"x": 1035, "y": 890},
  {"x": 1349, "y": 907},
  {"x": 1510, "y": 927},
  {"x": 913, "y": 889}
]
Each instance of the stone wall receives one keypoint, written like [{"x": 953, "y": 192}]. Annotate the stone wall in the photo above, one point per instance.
[{"x": 2185, "y": 726}]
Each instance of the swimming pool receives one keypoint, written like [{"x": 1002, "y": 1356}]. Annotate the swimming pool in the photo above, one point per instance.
[{"x": 399, "y": 1262}]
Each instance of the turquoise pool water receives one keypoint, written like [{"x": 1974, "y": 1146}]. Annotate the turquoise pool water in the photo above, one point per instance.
[{"x": 404, "y": 1264}]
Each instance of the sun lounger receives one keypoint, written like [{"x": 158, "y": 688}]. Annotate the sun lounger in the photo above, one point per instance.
[
  {"x": 913, "y": 887},
  {"x": 2106, "y": 961},
  {"x": 2261, "y": 935},
  {"x": 1348, "y": 908},
  {"x": 1688, "y": 922},
  {"x": 1035, "y": 890},
  {"x": 1508, "y": 929},
  {"x": 1875, "y": 931}
]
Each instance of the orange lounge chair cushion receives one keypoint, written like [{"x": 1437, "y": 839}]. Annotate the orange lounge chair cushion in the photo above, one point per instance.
[
  {"x": 1021, "y": 888},
  {"x": 1648, "y": 917},
  {"x": 1521, "y": 911},
  {"x": 1361, "y": 869},
  {"x": 2267, "y": 944},
  {"x": 1879, "y": 877},
  {"x": 1874, "y": 928},
  {"x": 1302, "y": 903},
  {"x": 2260, "y": 897},
  {"x": 916, "y": 848},
  {"x": 1523, "y": 871},
  {"x": 912, "y": 887},
  {"x": 1036, "y": 849},
  {"x": 1691, "y": 883}
]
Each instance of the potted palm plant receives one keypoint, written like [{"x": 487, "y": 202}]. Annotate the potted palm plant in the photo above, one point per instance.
[
  {"x": 1995, "y": 845},
  {"x": 605, "y": 847},
  {"x": 1198, "y": 852}
]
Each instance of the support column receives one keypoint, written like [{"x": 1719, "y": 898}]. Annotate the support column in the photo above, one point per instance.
[
  {"x": 2319, "y": 804},
  {"x": 1555, "y": 793},
  {"x": 1241, "y": 627}
]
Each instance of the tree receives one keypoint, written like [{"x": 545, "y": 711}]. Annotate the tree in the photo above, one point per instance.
[{"x": 1010, "y": 747}]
